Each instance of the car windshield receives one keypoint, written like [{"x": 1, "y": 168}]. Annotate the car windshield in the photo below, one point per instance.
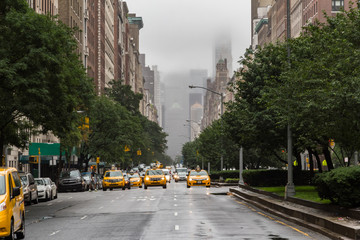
[
  {"x": 2, "y": 185},
  {"x": 24, "y": 180},
  {"x": 179, "y": 170},
  {"x": 86, "y": 177},
  {"x": 72, "y": 174},
  {"x": 200, "y": 173},
  {"x": 39, "y": 182},
  {"x": 135, "y": 175},
  {"x": 166, "y": 172},
  {"x": 155, "y": 172},
  {"x": 113, "y": 174}
]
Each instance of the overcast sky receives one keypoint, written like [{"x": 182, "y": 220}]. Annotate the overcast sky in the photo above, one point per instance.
[{"x": 178, "y": 35}]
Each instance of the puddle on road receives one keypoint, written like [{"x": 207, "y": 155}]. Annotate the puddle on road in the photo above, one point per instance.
[
  {"x": 276, "y": 237},
  {"x": 219, "y": 193}
]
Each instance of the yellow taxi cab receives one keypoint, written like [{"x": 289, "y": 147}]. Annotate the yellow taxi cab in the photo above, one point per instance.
[
  {"x": 154, "y": 177},
  {"x": 113, "y": 179},
  {"x": 198, "y": 177},
  {"x": 12, "y": 207},
  {"x": 135, "y": 180}
]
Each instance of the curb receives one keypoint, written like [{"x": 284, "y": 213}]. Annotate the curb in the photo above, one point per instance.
[
  {"x": 224, "y": 184},
  {"x": 309, "y": 219}
]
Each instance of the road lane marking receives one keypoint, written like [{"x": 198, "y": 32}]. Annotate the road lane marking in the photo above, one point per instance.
[
  {"x": 175, "y": 214},
  {"x": 54, "y": 233},
  {"x": 70, "y": 197},
  {"x": 60, "y": 201},
  {"x": 175, "y": 205},
  {"x": 174, "y": 199},
  {"x": 190, "y": 211},
  {"x": 101, "y": 207},
  {"x": 83, "y": 217},
  {"x": 112, "y": 200},
  {"x": 27, "y": 211},
  {"x": 177, "y": 227},
  {"x": 273, "y": 219},
  {"x": 49, "y": 204}
]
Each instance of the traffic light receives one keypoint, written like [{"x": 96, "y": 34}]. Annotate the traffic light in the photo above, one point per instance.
[{"x": 34, "y": 159}]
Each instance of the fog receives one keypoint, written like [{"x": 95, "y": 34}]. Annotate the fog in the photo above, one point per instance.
[{"x": 179, "y": 36}]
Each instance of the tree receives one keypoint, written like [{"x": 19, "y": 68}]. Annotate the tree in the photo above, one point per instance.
[
  {"x": 42, "y": 80},
  {"x": 124, "y": 95},
  {"x": 112, "y": 127}
]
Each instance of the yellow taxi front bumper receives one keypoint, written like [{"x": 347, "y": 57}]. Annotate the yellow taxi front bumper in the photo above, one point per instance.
[
  {"x": 161, "y": 182},
  {"x": 136, "y": 183},
  {"x": 120, "y": 184},
  {"x": 196, "y": 182}
]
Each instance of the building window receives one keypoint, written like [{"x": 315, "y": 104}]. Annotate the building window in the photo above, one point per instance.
[{"x": 337, "y": 5}]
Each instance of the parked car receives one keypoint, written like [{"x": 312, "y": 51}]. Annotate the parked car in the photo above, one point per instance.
[
  {"x": 12, "y": 206},
  {"x": 44, "y": 189},
  {"x": 71, "y": 180},
  {"x": 29, "y": 188},
  {"x": 53, "y": 186}
]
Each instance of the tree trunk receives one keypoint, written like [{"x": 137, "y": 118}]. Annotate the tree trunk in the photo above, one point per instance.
[
  {"x": 327, "y": 155},
  {"x": 318, "y": 161},
  {"x": 311, "y": 163}
]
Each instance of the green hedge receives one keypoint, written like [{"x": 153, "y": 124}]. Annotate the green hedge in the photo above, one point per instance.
[
  {"x": 272, "y": 178},
  {"x": 264, "y": 177},
  {"x": 341, "y": 186}
]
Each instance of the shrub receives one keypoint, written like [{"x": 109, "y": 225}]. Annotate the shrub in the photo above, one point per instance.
[
  {"x": 341, "y": 186},
  {"x": 232, "y": 180},
  {"x": 272, "y": 178}
]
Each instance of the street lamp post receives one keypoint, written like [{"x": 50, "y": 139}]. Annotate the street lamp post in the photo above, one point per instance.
[
  {"x": 221, "y": 113},
  {"x": 290, "y": 188}
]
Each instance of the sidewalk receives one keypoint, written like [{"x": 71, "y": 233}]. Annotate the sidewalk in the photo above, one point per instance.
[{"x": 331, "y": 221}]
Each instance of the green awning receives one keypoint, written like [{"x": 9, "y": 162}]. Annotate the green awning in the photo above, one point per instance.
[{"x": 44, "y": 158}]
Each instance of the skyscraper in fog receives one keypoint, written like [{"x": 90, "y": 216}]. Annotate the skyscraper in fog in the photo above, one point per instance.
[{"x": 222, "y": 50}]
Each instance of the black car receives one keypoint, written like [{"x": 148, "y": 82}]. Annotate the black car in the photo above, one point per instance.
[{"x": 71, "y": 180}]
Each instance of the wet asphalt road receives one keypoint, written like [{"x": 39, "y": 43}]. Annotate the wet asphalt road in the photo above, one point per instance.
[{"x": 156, "y": 213}]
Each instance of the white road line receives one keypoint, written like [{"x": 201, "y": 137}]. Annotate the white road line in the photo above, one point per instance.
[
  {"x": 190, "y": 211},
  {"x": 112, "y": 200},
  {"x": 27, "y": 211},
  {"x": 49, "y": 204},
  {"x": 83, "y": 217},
  {"x": 101, "y": 207},
  {"x": 174, "y": 199},
  {"x": 70, "y": 197},
  {"x": 175, "y": 214},
  {"x": 174, "y": 196},
  {"x": 54, "y": 233},
  {"x": 177, "y": 227},
  {"x": 175, "y": 205}
]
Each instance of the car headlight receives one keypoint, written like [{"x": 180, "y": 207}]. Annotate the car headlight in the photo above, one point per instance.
[
  {"x": 190, "y": 179},
  {"x": 147, "y": 178},
  {"x": 2, "y": 206},
  {"x": 162, "y": 178}
]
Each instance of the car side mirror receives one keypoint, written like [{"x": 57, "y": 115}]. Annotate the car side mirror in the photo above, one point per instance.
[{"x": 16, "y": 191}]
